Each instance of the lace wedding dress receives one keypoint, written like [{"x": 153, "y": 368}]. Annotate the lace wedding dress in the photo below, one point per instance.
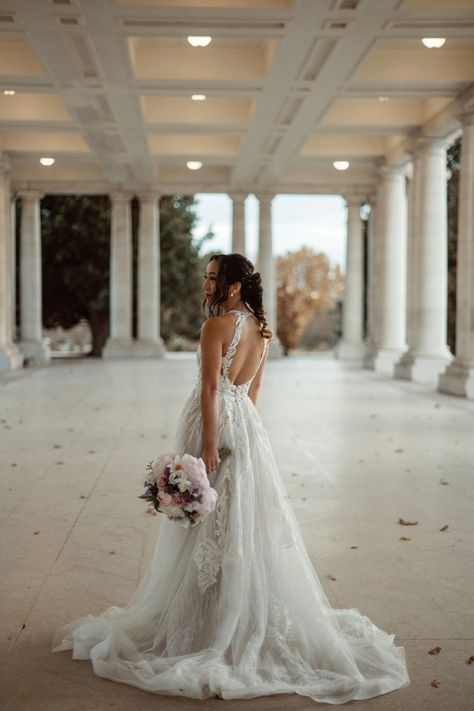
[{"x": 233, "y": 607}]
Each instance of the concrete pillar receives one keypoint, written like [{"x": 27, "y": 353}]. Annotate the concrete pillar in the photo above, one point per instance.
[
  {"x": 149, "y": 341},
  {"x": 120, "y": 343},
  {"x": 392, "y": 274},
  {"x": 428, "y": 353},
  {"x": 238, "y": 223},
  {"x": 373, "y": 301},
  {"x": 352, "y": 347},
  {"x": 10, "y": 356},
  {"x": 32, "y": 345},
  {"x": 458, "y": 379},
  {"x": 266, "y": 267}
]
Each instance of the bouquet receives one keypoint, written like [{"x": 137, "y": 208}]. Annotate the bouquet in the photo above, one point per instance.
[{"x": 179, "y": 487}]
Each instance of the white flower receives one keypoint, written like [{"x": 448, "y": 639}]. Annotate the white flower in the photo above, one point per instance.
[{"x": 173, "y": 510}]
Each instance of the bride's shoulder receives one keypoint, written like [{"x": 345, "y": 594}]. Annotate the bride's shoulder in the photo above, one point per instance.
[{"x": 215, "y": 326}]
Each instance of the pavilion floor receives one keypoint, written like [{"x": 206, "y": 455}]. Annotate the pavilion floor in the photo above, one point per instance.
[{"x": 356, "y": 451}]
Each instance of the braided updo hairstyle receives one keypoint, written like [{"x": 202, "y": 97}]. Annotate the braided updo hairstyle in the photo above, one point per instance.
[{"x": 232, "y": 268}]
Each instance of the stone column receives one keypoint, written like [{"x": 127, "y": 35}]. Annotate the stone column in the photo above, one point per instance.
[
  {"x": 33, "y": 347},
  {"x": 352, "y": 347},
  {"x": 149, "y": 340},
  {"x": 13, "y": 263},
  {"x": 238, "y": 222},
  {"x": 371, "y": 344},
  {"x": 10, "y": 357},
  {"x": 428, "y": 353},
  {"x": 392, "y": 271},
  {"x": 266, "y": 267},
  {"x": 458, "y": 379},
  {"x": 120, "y": 344}
]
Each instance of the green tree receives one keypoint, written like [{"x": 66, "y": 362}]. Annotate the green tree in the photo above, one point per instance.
[{"x": 75, "y": 234}]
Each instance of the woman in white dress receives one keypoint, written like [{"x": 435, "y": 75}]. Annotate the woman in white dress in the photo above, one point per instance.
[{"x": 233, "y": 607}]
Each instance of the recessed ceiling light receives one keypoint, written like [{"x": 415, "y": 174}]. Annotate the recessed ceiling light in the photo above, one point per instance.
[
  {"x": 433, "y": 42},
  {"x": 198, "y": 41},
  {"x": 9, "y": 92},
  {"x": 341, "y": 164},
  {"x": 47, "y": 161},
  {"x": 383, "y": 98},
  {"x": 198, "y": 97},
  {"x": 194, "y": 164}
]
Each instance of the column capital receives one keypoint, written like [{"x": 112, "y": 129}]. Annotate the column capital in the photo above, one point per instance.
[
  {"x": 353, "y": 200},
  {"x": 5, "y": 164},
  {"x": 120, "y": 196},
  {"x": 29, "y": 194},
  {"x": 148, "y": 196},
  {"x": 430, "y": 144},
  {"x": 466, "y": 117},
  {"x": 392, "y": 170},
  {"x": 238, "y": 196},
  {"x": 264, "y": 197}
]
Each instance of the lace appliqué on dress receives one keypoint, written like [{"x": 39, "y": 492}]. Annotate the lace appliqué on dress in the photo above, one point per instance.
[{"x": 209, "y": 552}]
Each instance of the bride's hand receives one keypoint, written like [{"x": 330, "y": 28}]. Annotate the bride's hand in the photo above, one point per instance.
[{"x": 211, "y": 458}]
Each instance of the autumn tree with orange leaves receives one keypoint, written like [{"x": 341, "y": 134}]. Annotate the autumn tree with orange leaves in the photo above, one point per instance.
[{"x": 308, "y": 285}]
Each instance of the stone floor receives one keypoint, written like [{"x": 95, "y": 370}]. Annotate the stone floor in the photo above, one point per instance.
[{"x": 357, "y": 452}]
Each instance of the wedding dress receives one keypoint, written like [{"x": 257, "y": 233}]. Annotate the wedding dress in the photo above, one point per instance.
[{"x": 233, "y": 606}]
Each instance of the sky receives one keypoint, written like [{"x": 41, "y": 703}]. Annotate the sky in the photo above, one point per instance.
[{"x": 317, "y": 221}]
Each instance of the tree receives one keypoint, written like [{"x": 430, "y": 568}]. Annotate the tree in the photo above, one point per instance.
[
  {"x": 75, "y": 235},
  {"x": 307, "y": 285}
]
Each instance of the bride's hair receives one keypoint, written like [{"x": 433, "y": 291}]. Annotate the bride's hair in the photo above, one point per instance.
[{"x": 236, "y": 267}]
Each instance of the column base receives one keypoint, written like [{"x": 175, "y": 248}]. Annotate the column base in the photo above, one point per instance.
[
  {"x": 369, "y": 355},
  {"x": 118, "y": 348},
  {"x": 458, "y": 379},
  {"x": 421, "y": 369},
  {"x": 35, "y": 352},
  {"x": 350, "y": 352},
  {"x": 11, "y": 358},
  {"x": 144, "y": 348},
  {"x": 386, "y": 359}
]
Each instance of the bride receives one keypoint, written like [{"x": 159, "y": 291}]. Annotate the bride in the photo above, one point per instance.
[{"x": 233, "y": 607}]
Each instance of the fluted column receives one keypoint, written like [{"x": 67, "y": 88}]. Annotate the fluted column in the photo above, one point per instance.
[
  {"x": 238, "y": 222},
  {"x": 149, "y": 341},
  {"x": 352, "y": 347},
  {"x": 120, "y": 343},
  {"x": 266, "y": 267},
  {"x": 458, "y": 379},
  {"x": 32, "y": 345},
  {"x": 428, "y": 353},
  {"x": 10, "y": 356},
  {"x": 392, "y": 338}
]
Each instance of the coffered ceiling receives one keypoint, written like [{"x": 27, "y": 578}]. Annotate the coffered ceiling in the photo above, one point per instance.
[{"x": 105, "y": 87}]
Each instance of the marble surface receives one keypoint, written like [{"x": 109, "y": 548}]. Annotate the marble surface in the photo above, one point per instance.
[{"x": 357, "y": 451}]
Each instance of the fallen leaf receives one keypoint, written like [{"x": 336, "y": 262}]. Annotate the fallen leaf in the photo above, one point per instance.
[
  {"x": 111, "y": 552},
  {"x": 331, "y": 577},
  {"x": 35, "y": 533},
  {"x": 444, "y": 528},
  {"x": 60, "y": 461},
  {"x": 405, "y": 538},
  {"x": 435, "y": 650},
  {"x": 354, "y": 546},
  {"x": 92, "y": 451},
  {"x": 13, "y": 464},
  {"x": 470, "y": 660},
  {"x": 435, "y": 683},
  {"x": 402, "y": 522},
  {"x": 442, "y": 481},
  {"x": 83, "y": 497},
  {"x": 57, "y": 446}
]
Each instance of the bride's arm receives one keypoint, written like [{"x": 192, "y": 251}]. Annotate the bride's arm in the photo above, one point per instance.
[{"x": 211, "y": 360}]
